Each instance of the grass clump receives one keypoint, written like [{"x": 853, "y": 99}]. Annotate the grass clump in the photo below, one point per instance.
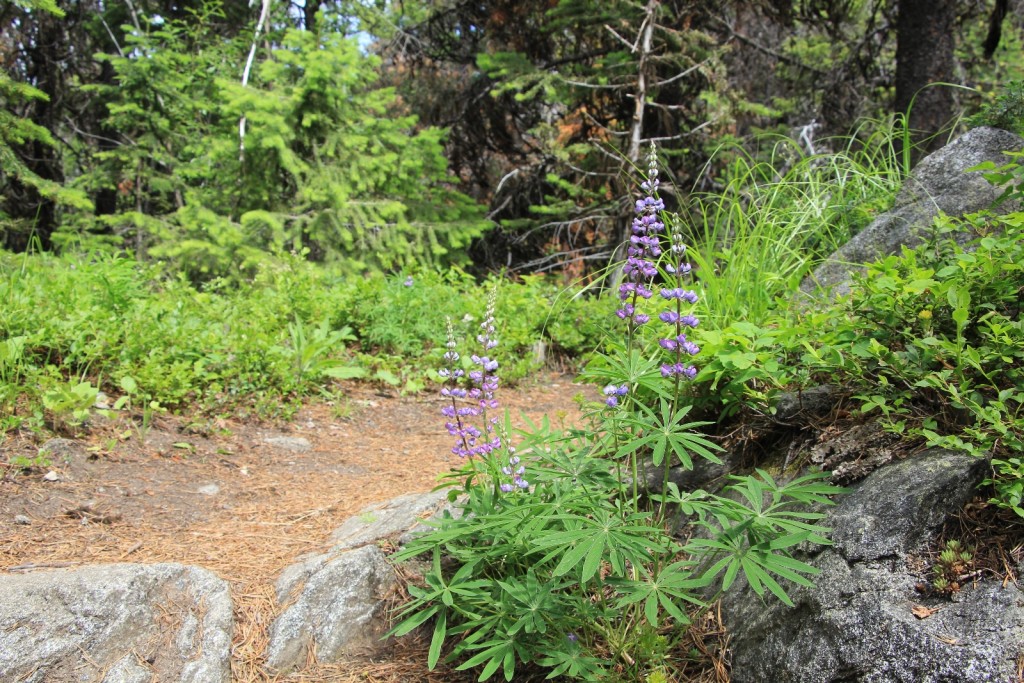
[{"x": 754, "y": 238}]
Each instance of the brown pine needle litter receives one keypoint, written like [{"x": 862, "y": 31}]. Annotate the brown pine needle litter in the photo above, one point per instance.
[{"x": 134, "y": 495}]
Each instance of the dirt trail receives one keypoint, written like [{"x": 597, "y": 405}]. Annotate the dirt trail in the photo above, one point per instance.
[{"x": 244, "y": 500}]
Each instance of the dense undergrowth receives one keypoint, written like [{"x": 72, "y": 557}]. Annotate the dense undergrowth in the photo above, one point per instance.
[
  {"x": 931, "y": 341},
  {"x": 75, "y": 325}
]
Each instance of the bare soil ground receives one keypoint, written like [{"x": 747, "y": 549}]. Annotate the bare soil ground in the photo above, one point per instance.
[{"x": 244, "y": 500}]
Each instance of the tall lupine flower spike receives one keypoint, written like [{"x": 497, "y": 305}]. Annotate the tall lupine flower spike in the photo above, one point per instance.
[
  {"x": 677, "y": 342},
  {"x": 644, "y": 246},
  {"x": 485, "y": 380}
]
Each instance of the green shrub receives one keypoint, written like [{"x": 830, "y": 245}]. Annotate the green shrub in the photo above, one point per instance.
[
  {"x": 1006, "y": 112},
  {"x": 288, "y": 332},
  {"x": 931, "y": 339}
]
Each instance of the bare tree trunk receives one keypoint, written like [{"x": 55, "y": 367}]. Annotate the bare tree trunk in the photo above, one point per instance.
[
  {"x": 264, "y": 11},
  {"x": 309, "y": 10},
  {"x": 644, "y": 45},
  {"x": 924, "y": 56}
]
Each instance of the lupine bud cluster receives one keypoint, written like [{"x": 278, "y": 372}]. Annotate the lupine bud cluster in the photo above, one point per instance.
[
  {"x": 613, "y": 393},
  {"x": 516, "y": 471}
]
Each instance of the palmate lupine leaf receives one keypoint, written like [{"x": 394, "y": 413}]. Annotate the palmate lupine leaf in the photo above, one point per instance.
[
  {"x": 441, "y": 591},
  {"x": 603, "y": 535},
  {"x": 573, "y": 663},
  {"x": 667, "y": 433},
  {"x": 496, "y": 653},
  {"x": 664, "y": 590},
  {"x": 627, "y": 367},
  {"x": 534, "y": 602}
]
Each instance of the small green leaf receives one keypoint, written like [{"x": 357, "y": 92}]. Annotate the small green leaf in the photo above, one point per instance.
[
  {"x": 344, "y": 372},
  {"x": 437, "y": 640}
]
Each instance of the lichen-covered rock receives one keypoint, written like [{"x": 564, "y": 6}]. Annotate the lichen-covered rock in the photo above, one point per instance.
[
  {"x": 334, "y": 600},
  {"x": 121, "y": 623},
  {"x": 336, "y": 609},
  {"x": 857, "y": 623}
]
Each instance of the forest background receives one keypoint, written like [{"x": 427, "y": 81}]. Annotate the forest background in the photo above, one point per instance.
[
  {"x": 164, "y": 163},
  {"x": 215, "y": 135}
]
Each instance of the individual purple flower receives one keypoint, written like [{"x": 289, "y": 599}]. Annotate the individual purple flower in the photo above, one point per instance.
[{"x": 408, "y": 281}]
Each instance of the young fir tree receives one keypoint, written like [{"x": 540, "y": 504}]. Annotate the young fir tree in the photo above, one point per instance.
[
  {"x": 330, "y": 165},
  {"x": 21, "y": 136}
]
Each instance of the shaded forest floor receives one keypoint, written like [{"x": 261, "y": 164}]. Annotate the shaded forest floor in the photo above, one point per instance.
[{"x": 242, "y": 499}]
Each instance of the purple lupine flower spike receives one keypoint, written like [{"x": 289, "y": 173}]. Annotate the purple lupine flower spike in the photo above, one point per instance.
[
  {"x": 644, "y": 246},
  {"x": 467, "y": 404},
  {"x": 678, "y": 344}
]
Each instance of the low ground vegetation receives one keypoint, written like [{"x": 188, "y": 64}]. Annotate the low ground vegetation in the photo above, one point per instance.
[{"x": 74, "y": 326}]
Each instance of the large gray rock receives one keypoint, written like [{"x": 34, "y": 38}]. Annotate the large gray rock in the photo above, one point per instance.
[
  {"x": 333, "y": 601},
  {"x": 856, "y": 624},
  {"x": 335, "y": 608},
  {"x": 121, "y": 623},
  {"x": 898, "y": 509},
  {"x": 939, "y": 183}
]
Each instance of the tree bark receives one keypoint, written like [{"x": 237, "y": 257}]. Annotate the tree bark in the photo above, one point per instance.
[
  {"x": 924, "y": 57},
  {"x": 309, "y": 10}
]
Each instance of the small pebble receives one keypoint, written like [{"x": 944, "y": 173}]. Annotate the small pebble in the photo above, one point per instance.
[
  {"x": 209, "y": 490},
  {"x": 51, "y": 476},
  {"x": 22, "y": 519}
]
